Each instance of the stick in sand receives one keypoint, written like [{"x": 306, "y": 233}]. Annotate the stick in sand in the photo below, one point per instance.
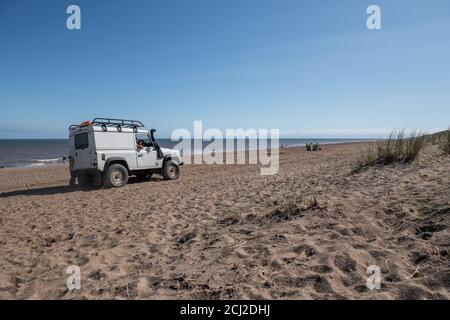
[{"x": 242, "y": 243}]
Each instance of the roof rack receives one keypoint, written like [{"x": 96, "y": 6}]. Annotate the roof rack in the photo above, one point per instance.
[
  {"x": 120, "y": 122},
  {"x": 117, "y": 123}
]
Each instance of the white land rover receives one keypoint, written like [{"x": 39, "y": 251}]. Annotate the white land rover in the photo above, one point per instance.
[{"x": 107, "y": 151}]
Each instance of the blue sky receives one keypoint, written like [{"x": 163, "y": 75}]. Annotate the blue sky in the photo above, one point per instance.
[{"x": 309, "y": 68}]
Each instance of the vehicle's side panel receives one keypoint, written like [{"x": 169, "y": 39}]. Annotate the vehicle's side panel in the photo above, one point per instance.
[
  {"x": 129, "y": 156},
  {"x": 114, "y": 140},
  {"x": 113, "y": 144},
  {"x": 147, "y": 158}
]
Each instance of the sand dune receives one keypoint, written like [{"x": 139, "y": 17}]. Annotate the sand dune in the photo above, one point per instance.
[{"x": 226, "y": 232}]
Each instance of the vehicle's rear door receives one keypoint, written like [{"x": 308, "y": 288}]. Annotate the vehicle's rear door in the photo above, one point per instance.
[{"x": 83, "y": 150}]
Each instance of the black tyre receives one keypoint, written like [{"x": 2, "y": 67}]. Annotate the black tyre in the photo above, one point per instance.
[
  {"x": 171, "y": 170},
  {"x": 84, "y": 180},
  {"x": 72, "y": 180},
  {"x": 116, "y": 176},
  {"x": 97, "y": 180}
]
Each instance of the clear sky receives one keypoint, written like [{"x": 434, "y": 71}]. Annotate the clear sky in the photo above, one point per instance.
[{"x": 309, "y": 68}]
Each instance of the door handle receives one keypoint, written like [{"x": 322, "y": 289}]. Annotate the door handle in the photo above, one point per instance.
[{"x": 140, "y": 155}]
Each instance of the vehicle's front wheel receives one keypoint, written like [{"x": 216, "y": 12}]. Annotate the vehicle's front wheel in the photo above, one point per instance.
[
  {"x": 116, "y": 176},
  {"x": 171, "y": 170}
]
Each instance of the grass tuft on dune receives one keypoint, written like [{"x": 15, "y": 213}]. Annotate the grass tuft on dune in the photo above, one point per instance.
[{"x": 398, "y": 148}]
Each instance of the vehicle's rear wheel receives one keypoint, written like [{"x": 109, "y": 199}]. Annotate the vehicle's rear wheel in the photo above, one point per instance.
[
  {"x": 84, "y": 180},
  {"x": 97, "y": 179},
  {"x": 72, "y": 180},
  {"x": 171, "y": 170},
  {"x": 116, "y": 176}
]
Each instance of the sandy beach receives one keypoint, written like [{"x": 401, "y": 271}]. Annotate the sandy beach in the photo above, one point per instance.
[{"x": 226, "y": 232}]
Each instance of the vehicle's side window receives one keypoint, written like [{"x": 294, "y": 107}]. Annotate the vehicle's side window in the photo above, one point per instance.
[
  {"x": 144, "y": 140},
  {"x": 81, "y": 141}
]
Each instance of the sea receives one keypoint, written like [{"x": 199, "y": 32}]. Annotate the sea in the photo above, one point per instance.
[{"x": 41, "y": 152}]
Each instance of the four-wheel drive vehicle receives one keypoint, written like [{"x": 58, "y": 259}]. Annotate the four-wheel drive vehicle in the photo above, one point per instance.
[{"x": 107, "y": 151}]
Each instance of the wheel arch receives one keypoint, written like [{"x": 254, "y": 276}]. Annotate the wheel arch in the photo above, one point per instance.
[
  {"x": 174, "y": 159},
  {"x": 116, "y": 160},
  {"x": 167, "y": 157}
]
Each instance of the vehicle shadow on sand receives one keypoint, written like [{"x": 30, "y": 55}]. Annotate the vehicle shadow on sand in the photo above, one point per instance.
[
  {"x": 67, "y": 189},
  {"x": 46, "y": 191}
]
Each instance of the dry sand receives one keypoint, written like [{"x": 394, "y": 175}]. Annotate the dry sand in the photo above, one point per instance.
[{"x": 226, "y": 232}]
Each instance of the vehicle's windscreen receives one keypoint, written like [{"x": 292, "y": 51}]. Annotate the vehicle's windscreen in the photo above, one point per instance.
[{"x": 81, "y": 141}]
